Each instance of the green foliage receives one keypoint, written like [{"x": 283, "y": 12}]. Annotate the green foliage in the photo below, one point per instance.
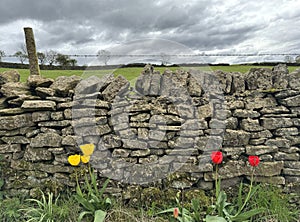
[
  {"x": 92, "y": 199},
  {"x": 9, "y": 210},
  {"x": 187, "y": 215},
  {"x": 48, "y": 209},
  {"x": 41, "y": 210},
  {"x": 276, "y": 202}
]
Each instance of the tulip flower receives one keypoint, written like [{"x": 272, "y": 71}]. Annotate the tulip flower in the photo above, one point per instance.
[
  {"x": 217, "y": 157},
  {"x": 253, "y": 160}
]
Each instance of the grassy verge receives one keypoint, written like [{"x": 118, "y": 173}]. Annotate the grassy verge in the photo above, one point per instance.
[{"x": 130, "y": 73}]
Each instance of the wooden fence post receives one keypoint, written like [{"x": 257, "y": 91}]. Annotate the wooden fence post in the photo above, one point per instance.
[{"x": 31, "y": 50}]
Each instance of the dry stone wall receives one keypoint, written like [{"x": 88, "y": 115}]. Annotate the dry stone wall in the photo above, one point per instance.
[{"x": 161, "y": 130}]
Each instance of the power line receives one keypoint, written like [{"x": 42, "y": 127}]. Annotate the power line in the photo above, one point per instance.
[{"x": 183, "y": 55}]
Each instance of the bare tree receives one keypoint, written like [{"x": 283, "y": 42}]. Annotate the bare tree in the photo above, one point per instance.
[
  {"x": 297, "y": 59},
  {"x": 2, "y": 54},
  {"x": 41, "y": 57},
  {"x": 21, "y": 56},
  {"x": 51, "y": 57},
  {"x": 288, "y": 59},
  {"x": 104, "y": 56},
  {"x": 165, "y": 58}
]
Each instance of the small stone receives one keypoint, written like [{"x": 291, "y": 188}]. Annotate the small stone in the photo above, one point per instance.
[
  {"x": 63, "y": 84},
  {"x": 259, "y": 150},
  {"x": 15, "y": 140},
  {"x": 9, "y": 76},
  {"x": 38, "y": 105},
  {"x": 10, "y": 148},
  {"x": 46, "y": 140},
  {"x": 39, "y": 81},
  {"x": 279, "y": 142},
  {"x": 37, "y": 154}
]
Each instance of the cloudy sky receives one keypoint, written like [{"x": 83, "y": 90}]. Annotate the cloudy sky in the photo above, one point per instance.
[{"x": 192, "y": 26}]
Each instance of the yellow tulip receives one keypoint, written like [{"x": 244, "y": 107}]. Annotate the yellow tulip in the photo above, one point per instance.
[
  {"x": 85, "y": 159},
  {"x": 87, "y": 149},
  {"x": 74, "y": 160}
]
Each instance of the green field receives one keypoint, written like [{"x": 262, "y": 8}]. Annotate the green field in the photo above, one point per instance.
[{"x": 130, "y": 73}]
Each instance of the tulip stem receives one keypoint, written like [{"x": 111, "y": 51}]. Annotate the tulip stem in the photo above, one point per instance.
[{"x": 248, "y": 195}]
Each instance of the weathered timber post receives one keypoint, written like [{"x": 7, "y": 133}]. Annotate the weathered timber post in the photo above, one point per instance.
[{"x": 31, "y": 50}]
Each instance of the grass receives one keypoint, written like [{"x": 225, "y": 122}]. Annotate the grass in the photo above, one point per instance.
[{"x": 131, "y": 73}]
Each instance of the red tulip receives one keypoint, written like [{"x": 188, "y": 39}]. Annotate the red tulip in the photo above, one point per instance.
[
  {"x": 253, "y": 160},
  {"x": 176, "y": 212},
  {"x": 217, "y": 157}
]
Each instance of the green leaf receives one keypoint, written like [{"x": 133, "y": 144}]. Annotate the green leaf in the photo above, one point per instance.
[
  {"x": 82, "y": 214},
  {"x": 86, "y": 204},
  {"x": 103, "y": 188},
  {"x": 99, "y": 216},
  {"x": 214, "y": 219},
  {"x": 247, "y": 215},
  {"x": 108, "y": 201}
]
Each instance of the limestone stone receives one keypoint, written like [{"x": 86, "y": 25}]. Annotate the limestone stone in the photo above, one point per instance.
[
  {"x": 279, "y": 142},
  {"x": 268, "y": 169},
  {"x": 260, "y": 102},
  {"x": 294, "y": 79},
  {"x": 259, "y": 150},
  {"x": 15, "y": 140},
  {"x": 116, "y": 87},
  {"x": 10, "y": 148},
  {"x": 287, "y": 156},
  {"x": 140, "y": 153},
  {"x": 92, "y": 84},
  {"x": 274, "y": 110},
  {"x": 62, "y": 85},
  {"x": 134, "y": 144},
  {"x": 259, "y": 78},
  {"x": 238, "y": 82},
  {"x": 274, "y": 123},
  {"x": 69, "y": 141},
  {"x": 121, "y": 153},
  {"x": 194, "y": 87},
  {"x": 261, "y": 134},
  {"x": 236, "y": 138},
  {"x": 11, "y": 111},
  {"x": 15, "y": 122},
  {"x": 46, "y": 140},
  {"x": 35, "y": 81},
  {"x": 44, "y": 92},
  {"x": 280, "y": 76},
  {"x": 38, "y": 105},
  {"x": 37, "y": 154},
  {"x": 293, "y": 131},
  {"x": 291, "y": 101},
  {"x": 205, "y": 111},
  {"x": 9, "y": 76},
  {"x": 251, "y": 125},
  {"x": 155, "y": 84},
  {"x": 14, "y": 89},
  {"x": 292, "y": 164},
  {"x": 241, "y": 113},
  {"x": 225, "y": 80},
  {"x": 291, "y": 172}
]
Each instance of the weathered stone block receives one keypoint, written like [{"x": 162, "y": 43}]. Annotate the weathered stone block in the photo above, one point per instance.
[
  {"x": 15, "y": 122},
  {"x": 38, "y": 105},
  {"x": 10, "y": 148},
  {"x": 236, "y": 138},
  {"x": 46, "y": 140},
  {"x": 259, "y": 150}
]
